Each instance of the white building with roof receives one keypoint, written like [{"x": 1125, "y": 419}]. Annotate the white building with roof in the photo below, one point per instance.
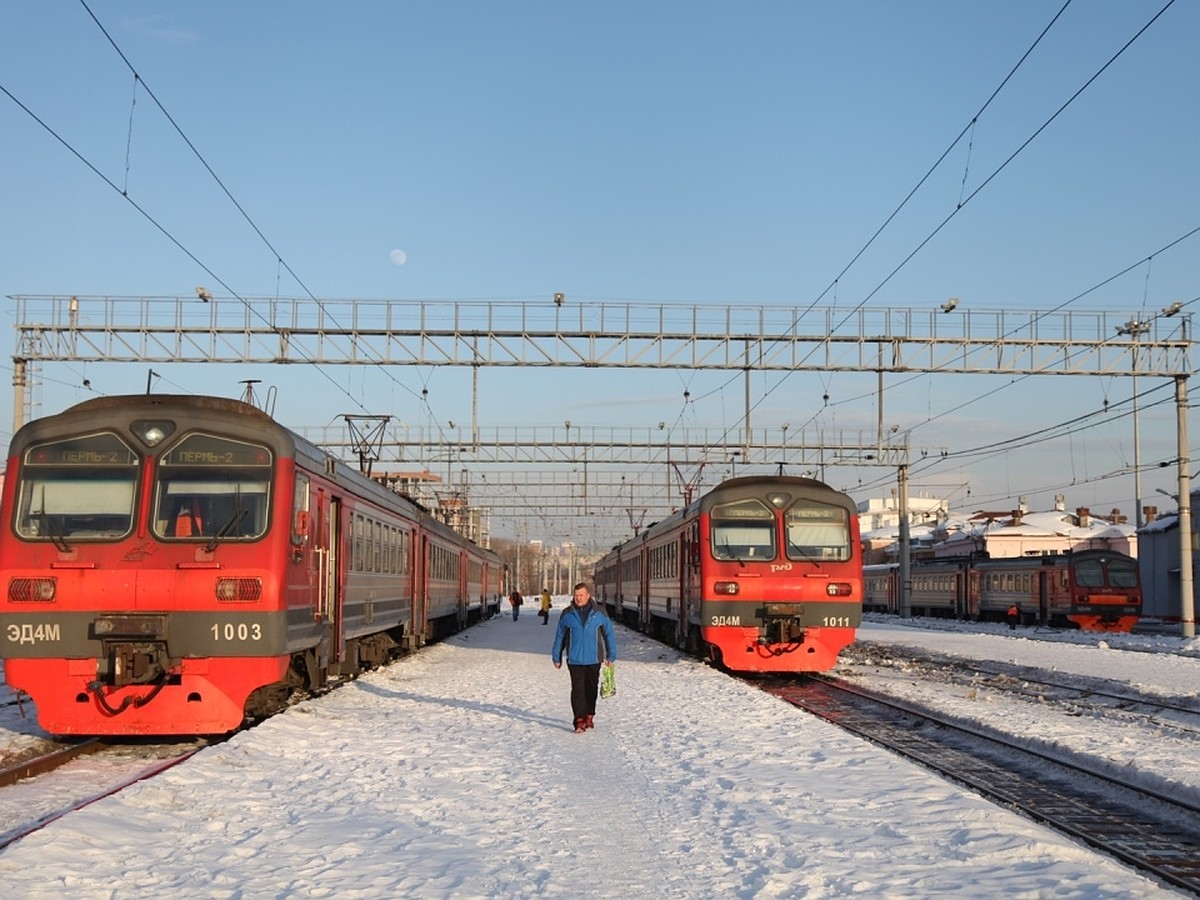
[{"x": 1015, "y": 532}]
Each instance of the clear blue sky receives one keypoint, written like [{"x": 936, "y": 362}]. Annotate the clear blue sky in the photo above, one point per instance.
[{"x": 694, "y": 152}]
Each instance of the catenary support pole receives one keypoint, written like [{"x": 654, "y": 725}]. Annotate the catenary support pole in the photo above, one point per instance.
[
  {"x": 1187, "y": 607},
  {"x": 905, "y": 574}
]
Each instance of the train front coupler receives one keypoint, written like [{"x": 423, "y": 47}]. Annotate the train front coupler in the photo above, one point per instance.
[{"x": 780, "y": 623}]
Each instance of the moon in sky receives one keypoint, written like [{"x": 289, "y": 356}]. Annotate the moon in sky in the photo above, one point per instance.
[{"x": 399, "y": 257}]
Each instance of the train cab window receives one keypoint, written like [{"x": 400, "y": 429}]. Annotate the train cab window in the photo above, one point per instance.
[
  {"x": 1122, "y": 573},
  {"x": 1088, "y": 573},
  {"x": 743, "y": 530},
  {"x": 213, "y": 489},
  {"x": 817, "y": 531},
  {"x": 77, "y": 489}
]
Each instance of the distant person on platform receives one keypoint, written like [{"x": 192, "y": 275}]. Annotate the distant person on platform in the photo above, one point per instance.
[
  {"x": 1013, "y": 617},
  {"x": 515, "y": 599},
  {"x": 586, "y": 633},
  {"x": 544, "y": 612}
]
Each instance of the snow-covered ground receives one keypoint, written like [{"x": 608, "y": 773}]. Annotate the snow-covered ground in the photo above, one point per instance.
[{"x": 455, "y": 773}]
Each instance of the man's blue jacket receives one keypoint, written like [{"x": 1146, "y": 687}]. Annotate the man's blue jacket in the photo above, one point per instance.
[{"x": 587, "y": 641}]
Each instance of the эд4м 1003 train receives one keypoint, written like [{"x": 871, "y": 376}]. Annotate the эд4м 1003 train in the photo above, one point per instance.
[
  {"x": 761, "y": 574},
  {"x": 173, "y": 564}
]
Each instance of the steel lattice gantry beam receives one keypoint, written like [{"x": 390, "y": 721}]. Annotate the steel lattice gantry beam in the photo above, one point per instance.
[
  {"x": 562, "y": 470},
  {"x": 639, "y": 446},
  {"x": 596, "y": 335}
]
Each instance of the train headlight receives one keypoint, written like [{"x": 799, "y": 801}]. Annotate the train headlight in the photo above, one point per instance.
[
  {"x": 32, "y": 590},
  {"x": 839, "y": 589},
  {"x": 239, "y": 590},
  {"x": 152, "y": 432},
  {"x": 726, "y": 588}
]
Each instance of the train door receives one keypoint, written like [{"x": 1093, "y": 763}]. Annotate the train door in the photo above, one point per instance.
[
  {"x": 420, "y": 593},
  {"x": 464, "y": 599},
  {"x": 974, "y": 590},
  {"x": 1041, "y": 590},
  {"x": 687, "y": 599},
  {"x": 680, "y": 563},
  {"x": 329, "y": 595},
  {"x": 643, "y": 582}
]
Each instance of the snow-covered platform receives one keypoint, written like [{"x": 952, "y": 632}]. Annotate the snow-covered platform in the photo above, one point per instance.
[{"x": 456, "y": 773}]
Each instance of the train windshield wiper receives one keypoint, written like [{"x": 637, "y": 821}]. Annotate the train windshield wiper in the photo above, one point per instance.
[
  {"x": 44, "y": 521},
  {"x": 239, "y": 513},
  {"x": 808, "y": 557},
  {"x": 48, "y": 524},
  {"x": 234, "y": 521}
]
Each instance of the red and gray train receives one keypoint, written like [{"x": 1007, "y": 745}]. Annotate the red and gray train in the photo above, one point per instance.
[
  {"x": 174, "y": 564},
  {"x": 1094, "y": 590},
  {"x": 760, "y": 574}
]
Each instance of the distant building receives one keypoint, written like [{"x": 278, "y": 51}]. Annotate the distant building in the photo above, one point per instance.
[
  {"x": 1022, "y": 533},
  {"x": 879, "y": 525},
  {"x": 1158, "y": 564},
  {"x": 1007, "y": 533},
  {"x": 420, "y": 486}
]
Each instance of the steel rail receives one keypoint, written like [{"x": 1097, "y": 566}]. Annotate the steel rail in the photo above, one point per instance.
[{"x": 1109, "y": 815}]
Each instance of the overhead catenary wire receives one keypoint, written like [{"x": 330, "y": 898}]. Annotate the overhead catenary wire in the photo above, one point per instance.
[
  {"x": 984, "y": 184},
  {"x": 280, "y": 261}
]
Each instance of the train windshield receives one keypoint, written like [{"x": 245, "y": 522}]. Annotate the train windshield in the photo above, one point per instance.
[
  {"x": 1121, "y": 572},
  {"x": 77, "y": 489},
  {"x": 212, "y": 489},
  {"x": 817, "y": 531},
  {"x": 743, "y": 530}
]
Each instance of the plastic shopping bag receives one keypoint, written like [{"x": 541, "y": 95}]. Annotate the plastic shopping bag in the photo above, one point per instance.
[{"x": 608, "y": 682}]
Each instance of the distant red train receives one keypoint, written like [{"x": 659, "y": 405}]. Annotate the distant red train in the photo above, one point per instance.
[
  {"x": 1094, "y": 590},
  {"x": 174, "y": 564},
  {"x": 761, "y": 574}
]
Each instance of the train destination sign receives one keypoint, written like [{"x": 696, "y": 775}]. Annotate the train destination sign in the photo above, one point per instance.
[
  {"x": 209, "y": 450},
  {"x": 93, "y": 450}
]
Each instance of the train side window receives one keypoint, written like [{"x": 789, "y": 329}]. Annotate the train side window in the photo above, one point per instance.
[
  {"x": 357, "y": 556},
  {"x": 301, "y": 521}
]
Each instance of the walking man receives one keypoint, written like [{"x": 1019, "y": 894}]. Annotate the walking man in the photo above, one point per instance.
[{"x": 586, "y": 633}]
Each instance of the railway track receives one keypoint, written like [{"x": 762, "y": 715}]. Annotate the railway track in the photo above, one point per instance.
[
  {"x": 23, "y": 816},
  {"x": 1149, "y": 830},
  {"x": 48, "y": 761},
  {"x": 1082, "y": 695}
]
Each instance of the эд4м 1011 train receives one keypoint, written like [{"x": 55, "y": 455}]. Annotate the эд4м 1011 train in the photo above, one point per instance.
[
  {"x": 760, "y": 574},
  {"x": 173, "y": 564},
  {"x": 1090, "y": 589}
]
